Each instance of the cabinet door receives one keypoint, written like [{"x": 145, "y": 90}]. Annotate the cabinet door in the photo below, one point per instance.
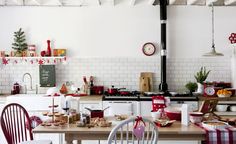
[{"x": 146, "y": 107}]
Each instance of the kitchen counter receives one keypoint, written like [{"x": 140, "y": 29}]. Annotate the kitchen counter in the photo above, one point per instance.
[{"x": 91, "y": 98}]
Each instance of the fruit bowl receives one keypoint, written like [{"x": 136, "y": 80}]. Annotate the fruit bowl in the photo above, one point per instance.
[{"x": 223, "y": 95}]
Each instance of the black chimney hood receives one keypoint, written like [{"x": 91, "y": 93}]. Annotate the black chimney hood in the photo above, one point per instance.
[{"x": 163, "y": 87}]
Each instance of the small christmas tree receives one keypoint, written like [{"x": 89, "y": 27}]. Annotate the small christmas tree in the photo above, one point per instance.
[{"x": 19, "y": 44}]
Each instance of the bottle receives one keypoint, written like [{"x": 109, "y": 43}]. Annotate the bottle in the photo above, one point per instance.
[{"x": 49, "y": 53}]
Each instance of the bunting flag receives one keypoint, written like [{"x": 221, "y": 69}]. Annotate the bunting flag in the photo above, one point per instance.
[
  {"x": 33, "y": 60},
  {"x": 232, "y": 38}
]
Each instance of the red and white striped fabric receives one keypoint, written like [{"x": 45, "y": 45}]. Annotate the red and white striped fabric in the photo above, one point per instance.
[{"x": 220, "y": 136}]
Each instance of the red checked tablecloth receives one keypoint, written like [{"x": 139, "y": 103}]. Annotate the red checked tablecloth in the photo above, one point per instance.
[{"x": 220, "y": 136}]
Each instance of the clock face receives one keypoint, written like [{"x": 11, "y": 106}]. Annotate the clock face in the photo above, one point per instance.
[
  {"x": 209, "y": 91},
  {"x": 149, "y": 49}
]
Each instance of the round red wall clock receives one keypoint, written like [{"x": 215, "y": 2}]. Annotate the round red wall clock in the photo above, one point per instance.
[{"x": 149, "y": 49}]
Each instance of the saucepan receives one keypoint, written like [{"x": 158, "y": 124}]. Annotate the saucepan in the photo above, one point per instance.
[
  {"x": 96, "y": 113},
  {"x": 112, "y": 90}
]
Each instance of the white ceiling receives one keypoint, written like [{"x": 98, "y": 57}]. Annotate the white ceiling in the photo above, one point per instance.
[{"x": 112, "y": 2}]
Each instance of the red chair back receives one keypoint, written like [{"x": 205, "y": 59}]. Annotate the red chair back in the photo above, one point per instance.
[{"x": 13, "y": 122}]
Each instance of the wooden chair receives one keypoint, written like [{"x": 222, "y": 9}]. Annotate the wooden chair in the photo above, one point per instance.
[
  {"x": 13, "y": 119},
  {"x": 123, "y": 133}
]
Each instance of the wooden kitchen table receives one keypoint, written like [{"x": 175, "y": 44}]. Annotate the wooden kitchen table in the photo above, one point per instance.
[{"x": 72, "y": 132}]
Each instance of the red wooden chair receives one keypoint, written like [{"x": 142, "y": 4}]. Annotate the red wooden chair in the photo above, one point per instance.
[{"x": 13, "y": 122}]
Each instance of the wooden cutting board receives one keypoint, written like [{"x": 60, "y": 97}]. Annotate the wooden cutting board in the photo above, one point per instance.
[
  {"x": 144, "y": 84},
  {"x": 149, "y": 75}
]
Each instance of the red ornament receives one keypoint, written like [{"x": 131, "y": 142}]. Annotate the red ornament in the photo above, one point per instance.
[
  {"x": 43, "y": 53},
  {"x": 4, "y": 61},
  {"x": 40, "y": 62},
  {"x": 232, "y": 38}
]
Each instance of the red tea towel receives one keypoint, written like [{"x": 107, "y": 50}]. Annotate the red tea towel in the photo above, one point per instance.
[{"x": 220, "y": 136}]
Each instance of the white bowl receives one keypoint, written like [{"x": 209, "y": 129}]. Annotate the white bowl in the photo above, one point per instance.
[
  {"x": 223, "y": 95},
  {"x": 196, "y": 117},
  {"x": 221, "y": 108},
  {"x": 233, "y": 108}
]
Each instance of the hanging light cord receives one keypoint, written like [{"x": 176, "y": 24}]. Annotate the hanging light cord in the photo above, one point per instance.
[{"x": 212, "y": 22}]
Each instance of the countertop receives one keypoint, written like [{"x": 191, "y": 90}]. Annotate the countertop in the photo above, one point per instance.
[{"x": 91, "y": 98}]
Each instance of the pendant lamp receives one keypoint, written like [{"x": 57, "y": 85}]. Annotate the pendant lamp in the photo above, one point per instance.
[{"x": 213, "y": 52}]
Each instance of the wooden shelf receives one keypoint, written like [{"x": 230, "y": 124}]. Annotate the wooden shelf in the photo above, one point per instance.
[
  {"x": 232, "y": 98},
  {"x": 227, "y": 113},
  {"x": 62, "y": 57}
]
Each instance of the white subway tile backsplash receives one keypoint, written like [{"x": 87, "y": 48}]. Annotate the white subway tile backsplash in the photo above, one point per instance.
[{"x": 121, "y": 72}]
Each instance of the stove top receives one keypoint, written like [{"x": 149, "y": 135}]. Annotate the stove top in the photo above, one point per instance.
[{"x": 135, "y": 96}]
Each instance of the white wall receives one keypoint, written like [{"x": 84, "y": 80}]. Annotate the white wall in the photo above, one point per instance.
[{"x": 118, "y": 31}]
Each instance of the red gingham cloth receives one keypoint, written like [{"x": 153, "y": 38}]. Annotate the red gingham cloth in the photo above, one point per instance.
[{"x": 220, "y": 136}]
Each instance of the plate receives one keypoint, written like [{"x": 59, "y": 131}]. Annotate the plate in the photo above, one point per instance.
[
  {"x": 164, "y": 123},
  {"x": 215, "y": 124}
]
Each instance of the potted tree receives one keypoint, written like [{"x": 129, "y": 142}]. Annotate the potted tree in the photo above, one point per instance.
[
  {"x": 200, "y": 77},
  {"x": 19, "y": 44},
  {"x": 191, "y": 86}
]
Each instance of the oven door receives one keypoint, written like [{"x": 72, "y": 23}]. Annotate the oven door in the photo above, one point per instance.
[{"x": 120, "y": 107}]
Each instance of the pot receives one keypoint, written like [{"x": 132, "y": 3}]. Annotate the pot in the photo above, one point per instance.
[
  {"x": 122, "y": 91},
  {"x": 112, "y": 90},
  {"x": 96, "y": 113}
]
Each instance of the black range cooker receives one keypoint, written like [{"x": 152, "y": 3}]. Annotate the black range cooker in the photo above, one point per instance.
[{"x": 137, "y": 96}]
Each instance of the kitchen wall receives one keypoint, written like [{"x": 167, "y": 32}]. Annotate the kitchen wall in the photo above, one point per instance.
[
  {"x": 121, "y": 72},
  {"x": 106, "y": 42},
  {"x": 107, "y": 31}
]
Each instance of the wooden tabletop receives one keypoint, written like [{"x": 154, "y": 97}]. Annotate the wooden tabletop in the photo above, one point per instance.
[{"x": 175, "y": 132}]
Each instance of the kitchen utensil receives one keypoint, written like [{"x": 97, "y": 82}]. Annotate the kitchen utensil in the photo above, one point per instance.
[
  {"x": 150, "y": 77},
  {"x": 144, "y": 84},
  {"x": 96, "y": 113},
  {"x": 123, "y": 91},
  {"x": 97, "y": 90},
  {"x": 221, "y": 108},
  {"x": 112, "y": 90}
]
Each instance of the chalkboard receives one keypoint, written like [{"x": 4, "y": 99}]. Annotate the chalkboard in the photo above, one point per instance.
[{"x": 47, "y": 76}]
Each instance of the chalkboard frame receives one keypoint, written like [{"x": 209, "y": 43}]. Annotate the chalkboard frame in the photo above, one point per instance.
[{"x": 47, "y": 75}]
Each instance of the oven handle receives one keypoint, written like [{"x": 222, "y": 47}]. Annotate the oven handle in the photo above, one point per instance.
[{"x": 120, "y": 102}]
